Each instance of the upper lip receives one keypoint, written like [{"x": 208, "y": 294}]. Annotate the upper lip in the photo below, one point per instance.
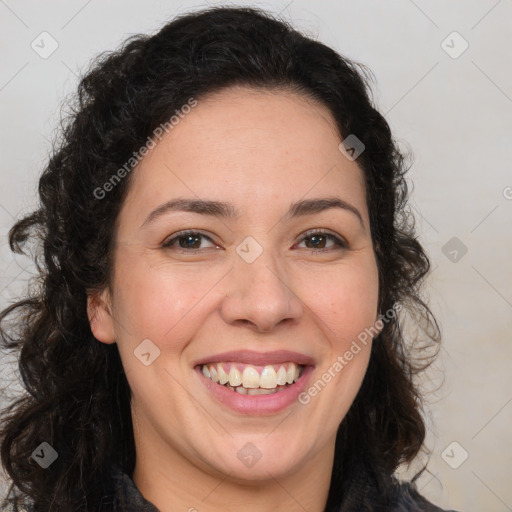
[{"x": 258, "y": 358}]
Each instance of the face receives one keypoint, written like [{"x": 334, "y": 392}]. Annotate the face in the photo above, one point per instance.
[{"x": 243, "y": 254}]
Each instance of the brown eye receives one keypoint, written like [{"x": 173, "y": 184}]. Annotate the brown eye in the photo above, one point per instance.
[
  {"x": 322, "y": 241},
  {"x": 188, "y": 241},
  {"x": 316, "y": 242}
]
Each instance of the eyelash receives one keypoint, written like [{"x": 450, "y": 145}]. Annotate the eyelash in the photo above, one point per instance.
[{"x": 341, "y": 243}]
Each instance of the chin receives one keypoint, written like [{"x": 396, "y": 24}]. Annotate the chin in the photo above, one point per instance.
[{"x": 256, "y": 459}]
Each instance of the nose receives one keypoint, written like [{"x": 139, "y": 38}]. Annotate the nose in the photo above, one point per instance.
[{"x": 259, "y": 295}]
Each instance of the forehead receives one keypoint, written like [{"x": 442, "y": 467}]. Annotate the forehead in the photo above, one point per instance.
[{"x": 244, "y": 144}]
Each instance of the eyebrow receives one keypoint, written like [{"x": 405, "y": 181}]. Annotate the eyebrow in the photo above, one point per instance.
[{"x": 228, "y": 211}]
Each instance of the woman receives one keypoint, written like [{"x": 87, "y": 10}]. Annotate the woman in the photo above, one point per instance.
[{"x": 226, "y": 265}]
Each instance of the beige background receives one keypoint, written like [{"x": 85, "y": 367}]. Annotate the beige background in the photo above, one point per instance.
[{"x": 455, "y": 115}]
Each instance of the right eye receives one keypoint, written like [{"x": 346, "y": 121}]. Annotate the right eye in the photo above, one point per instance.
[{"x": 188, "y": 241}]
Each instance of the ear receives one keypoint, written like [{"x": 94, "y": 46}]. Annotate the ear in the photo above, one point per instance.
[{"x": 101, "y": 320}]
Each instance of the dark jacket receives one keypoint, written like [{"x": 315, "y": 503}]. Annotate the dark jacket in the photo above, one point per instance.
[{"x": 365, "y": 498}]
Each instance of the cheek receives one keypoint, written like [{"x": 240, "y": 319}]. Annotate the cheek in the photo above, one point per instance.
[
  {"x": 159, "y": 302},
  {"x": 346, "y": 307},
  {"x": 345, "y": 299}
]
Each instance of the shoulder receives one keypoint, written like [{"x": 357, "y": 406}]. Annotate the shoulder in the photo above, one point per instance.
[
  {"x": 375, "y": 490},
  {"x": 408, "y": 499}
]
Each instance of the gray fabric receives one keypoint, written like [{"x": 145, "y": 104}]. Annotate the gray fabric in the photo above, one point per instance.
[
  {"x": 405, "y": 498},
  {"x": 128, "y": 498}
]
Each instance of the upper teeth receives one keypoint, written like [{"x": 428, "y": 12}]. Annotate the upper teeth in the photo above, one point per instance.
[{"x": 248, "y": 376}]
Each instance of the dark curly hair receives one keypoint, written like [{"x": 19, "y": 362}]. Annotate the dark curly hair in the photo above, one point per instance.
[{"x": 77, "y": 396}]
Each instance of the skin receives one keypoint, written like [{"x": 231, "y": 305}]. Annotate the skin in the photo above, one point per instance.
[{"x": 260, "y": 150}]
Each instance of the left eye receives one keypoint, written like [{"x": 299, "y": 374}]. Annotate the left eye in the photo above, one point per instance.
[
  {"x": 319, "y": 240},
  {"x": 188, "y": 241}
]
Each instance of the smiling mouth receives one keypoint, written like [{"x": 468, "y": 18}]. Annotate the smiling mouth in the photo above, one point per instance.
[{"x": 247, "y": 379}]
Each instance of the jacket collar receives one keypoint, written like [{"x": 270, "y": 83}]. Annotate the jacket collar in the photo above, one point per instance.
[
  {"x": 127, "y": 496},
  {"x": 365, "y": 496}
]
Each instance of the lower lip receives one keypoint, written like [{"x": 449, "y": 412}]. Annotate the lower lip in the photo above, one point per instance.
[{"x": 258, "y": 404}]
